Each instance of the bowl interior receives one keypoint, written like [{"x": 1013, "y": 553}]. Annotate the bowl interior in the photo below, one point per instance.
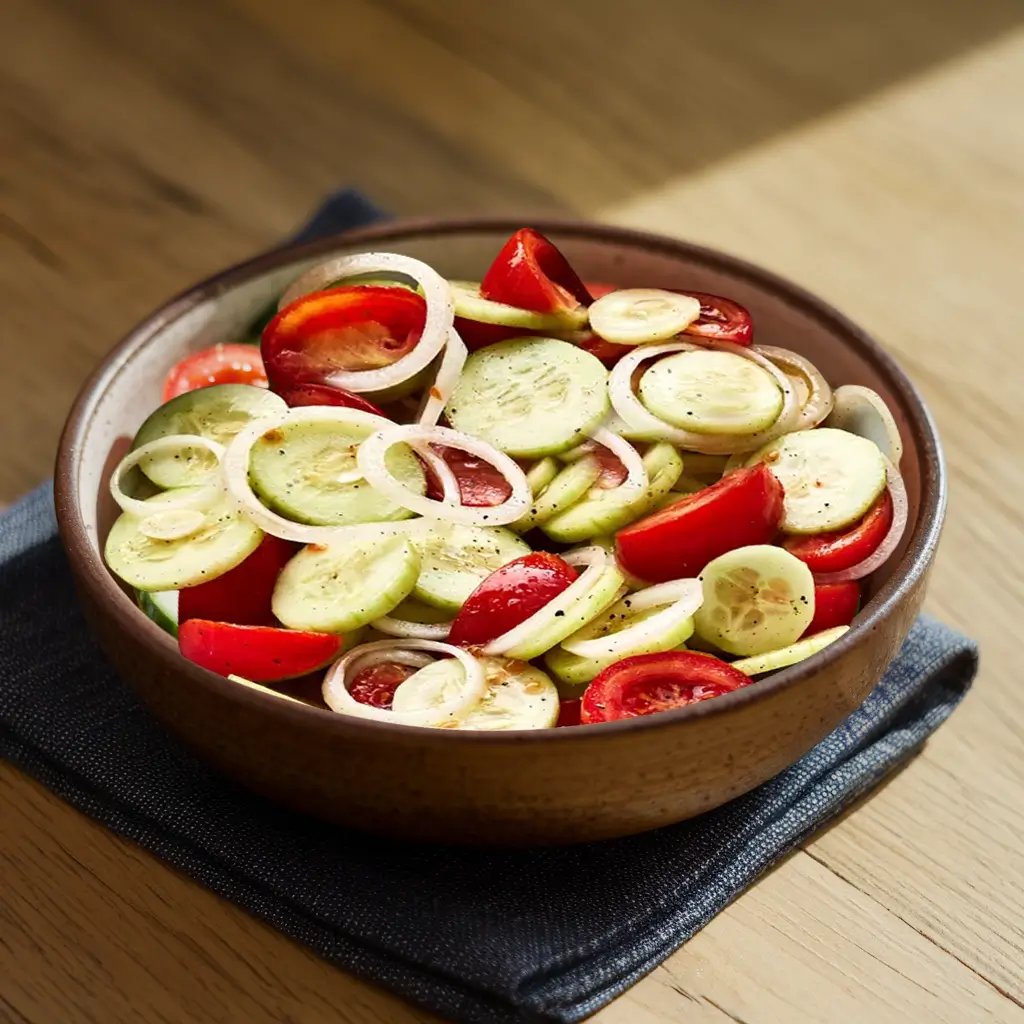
[{"x": 220, "y": 310}]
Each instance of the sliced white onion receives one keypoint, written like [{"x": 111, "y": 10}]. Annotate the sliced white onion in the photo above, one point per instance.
[
  {"x": 448, "y": 373},
  {"x": 595, "y": 560},
  {"x": 450, "y": 490},
  {"x": 201, "y": 498},
  {"x": 636, "y": 472},
  {"x": 373, "y": 450},
  {"x": 881, "y": 554},
  {"x": 682, "y": 597},
  {"x": 639, "y": 418},
  {"x": 436, "y": 328},
  {"x": 414, "y": 630},
  {"x": 862, "y": 411},
  {"x": 336, "y": 683},
  {"x": 819, "y": 402},
  {"x": 235, "y": 466}
]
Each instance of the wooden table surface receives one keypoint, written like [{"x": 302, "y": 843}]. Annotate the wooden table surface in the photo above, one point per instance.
[{"x": 872, "y": 151}]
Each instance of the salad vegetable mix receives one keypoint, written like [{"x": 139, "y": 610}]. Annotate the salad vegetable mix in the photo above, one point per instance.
[{"x": 512, "y": 504}]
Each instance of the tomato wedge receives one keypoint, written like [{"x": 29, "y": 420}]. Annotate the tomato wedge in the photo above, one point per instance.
[
  {"x": 508, "y": 596},
  {"x": 478, "y": 335},
  {"x": 833, "y": 552},
  {"x": 363, "y": 327},
  {"x": 261, "y": 654},
  {"x": 376, "y": 685},
  {"x": 242, "y": 595},
  {"x": 481, "y": 485},
  {"x": 568, "y": 713},
  {"x": 613, "y": 472},
  {"x": 743, "y": 508},
  {"x": 835, "y": 604},
  {"x": 326, "y": 394},
  {"x": 648, "y": 683},
  {"x": 222, "y": 364},
  {"x": 531, "y": 273},
  {"x": 721, "y": 320}
]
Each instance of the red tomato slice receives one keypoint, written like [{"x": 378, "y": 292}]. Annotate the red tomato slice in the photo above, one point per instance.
[
  {"x": 261, "y": 654},
  {"x": 477, "y": 335},
  {"x": 833, "y": 552},
  {"x": 613, "y": 472},
  {"x": 598, "y": 291},
  {"x": 326, "y": 394},
  {"x": 568, "y": 713},
  {"x": 376, "y": 685},
  {"x": 531, "y": 273},
  {"x": 242, "y": 595},
  {"x": 721, "y": 320},
  {"x": 222, "y": 364},
  {"x": 480, "y": 484},
  {"x": 363, "y": 327},
  {"x": 608, "y": 352},
  {"x": 743, "y": 508},
  {"x": 835, "y": 604},
  {"x": 648, "y": 683},
  {"x": 508, "y": 596}
]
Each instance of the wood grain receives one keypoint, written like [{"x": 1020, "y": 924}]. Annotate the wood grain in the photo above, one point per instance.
[{"x": 859, "y": 149}]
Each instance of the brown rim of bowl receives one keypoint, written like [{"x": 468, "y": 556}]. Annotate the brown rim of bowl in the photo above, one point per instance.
[{"x": 913, "y": 565}]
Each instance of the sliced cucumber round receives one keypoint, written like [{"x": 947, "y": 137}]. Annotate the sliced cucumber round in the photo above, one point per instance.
[
  {"x": 790, "y": 655},
  {"x": 530, "y": 396},
  {"x": 307, "y": 471},
  {"x": 430, "y": 687},
  {"x": 225, "y": 539},
  {"x": 162, "y": 607},
  {"x": 518, "y": 696},
  {"x": 217, "y": 413},
  {"x": 830, "y": 478},
  {"x": 471, "y": 305},
  {"x": 756, "y": 599},
  {"x": 334, "y": 588},
  {"x": 571, "y": 484},
  {"x": 638, "y": 316},
  {"x": 711, "y": 393},
  {"x": 607, "y": 511},
  {"x": 456, "y": 559},
  {"x": 541, "y": 473}
]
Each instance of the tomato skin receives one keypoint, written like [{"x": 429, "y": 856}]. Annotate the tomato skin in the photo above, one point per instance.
[
  {"x": 242, "y": 595},
  {"x": 835, "y": 604},
  {"x": 508, "y": 596},
  {"x": 721, "y": 320},
  {"x": 568, "y": 713},
  {"x": 261, "y": 654},
  {"x": 481, "y": 485},
  {"x": 221, "y": 364},
  {"x": 648, "y": 683},
  {"x": 376, "y": 685},
  {"x": 742, "y": 508},
  {"x": 842, "y": 549},
  {"x": 613, "y": 472},
  {"x": 478, "y": 335},
  {"x": 531, "y": 273},
  {"x": 362, "y": 327},
  {"x": 326, "y": 394}
]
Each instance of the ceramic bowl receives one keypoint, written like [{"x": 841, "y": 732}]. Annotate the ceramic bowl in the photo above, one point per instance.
[{"x": 559, "y": 785}]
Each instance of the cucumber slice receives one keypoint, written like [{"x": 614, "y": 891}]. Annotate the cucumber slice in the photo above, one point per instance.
[
  {"x": 785, "y": 656},
  {"x": 455, "y": 559},
  {"x": 541, "y": 473},
  {"x": 756, "y": 599},
  {"x": 307, "y": 472},
  {"x": 436, "y": 684},
  {"x": 224, "y": 539},
  {"x": 711, "y": 393},
  {"x": 411, "y": 610},
  {"x": 571, "y": 484},
  {"x": 469, "y": 303},
  {"x": 333, "y": 588},
  {"x": 831, "y": 478},
  {"x": 518, "y": 696},
  {"x": 606, "y": 589},
  {"x": 637, "y": 316},
  {"x": 162, "y": 607},
  {"x": 218, "y": 413},
  {"x": 607, "y": 511},
  {"x": 530, "y": 396}
]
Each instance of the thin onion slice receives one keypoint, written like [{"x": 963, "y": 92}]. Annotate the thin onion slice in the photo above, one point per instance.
[
  {"x": 862, "y": 411},
  {"x": 636, "y": 472},
  {"x": 338, "y": 698},
  {"x": 200, "y": 499},
  {"x": 436, "y": 327},
  {"x": 451, "y": 493},
  {"x": 235, "y": 466},
  {"x": 595, "y": 560},
  {"x": 638, "y": 417},
  {"x": 373, "y": 450},
  {"x": 819, "y": 401},
  {"x": 881, "y": 554},
  {"x": 682, "y": 597},
  {"x": 448, "y": 373}
]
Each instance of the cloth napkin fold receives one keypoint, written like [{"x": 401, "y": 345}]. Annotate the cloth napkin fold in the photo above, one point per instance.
[{"x": 475, "y": 935}]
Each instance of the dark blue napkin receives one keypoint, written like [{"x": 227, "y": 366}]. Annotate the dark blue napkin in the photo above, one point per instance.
[{"x": 476, "y": 936}]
